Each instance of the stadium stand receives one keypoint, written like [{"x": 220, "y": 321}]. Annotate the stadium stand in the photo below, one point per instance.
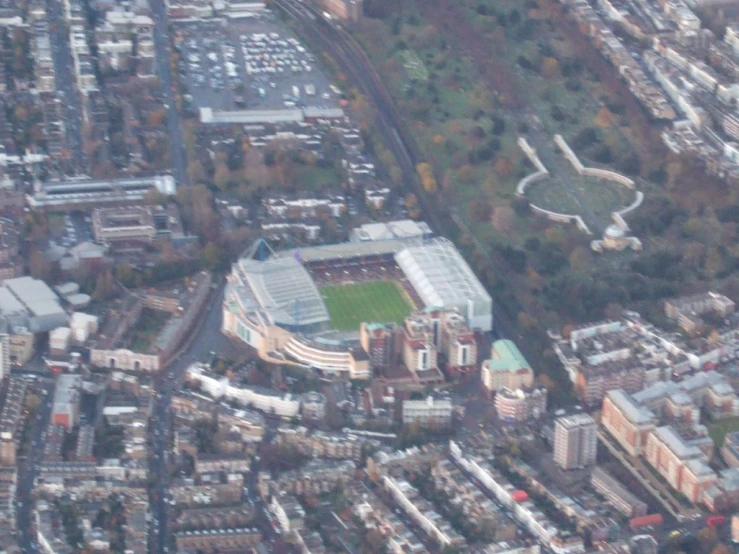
[
  {"x": 443, "y": 279},
  {"x": 274, "y": 304},
  {"x": 283, "y": 291}
]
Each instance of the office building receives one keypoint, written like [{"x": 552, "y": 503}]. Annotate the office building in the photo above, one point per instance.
[{"x": 575, "y": 441}]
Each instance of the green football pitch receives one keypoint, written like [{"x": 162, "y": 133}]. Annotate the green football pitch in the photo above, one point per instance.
[{"x": 375, "y": 301}]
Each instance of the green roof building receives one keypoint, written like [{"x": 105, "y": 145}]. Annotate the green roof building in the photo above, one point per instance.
[{"x": 506, "y": 368}]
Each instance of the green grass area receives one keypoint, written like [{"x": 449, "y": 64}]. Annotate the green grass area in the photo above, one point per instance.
[
  {"x": 552, "y": 194},
  {"x": 603, "y": 197},
  {"x": 413, "y": 65},
  {"x": 146, "y": 329},
  {"x": 315, "y": 178},
  {"x": 718, "y": 430},
  {"x": 375, "y": 301}
]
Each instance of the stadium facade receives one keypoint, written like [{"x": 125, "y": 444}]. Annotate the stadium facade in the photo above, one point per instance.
[{"x": 273, "y": 303}]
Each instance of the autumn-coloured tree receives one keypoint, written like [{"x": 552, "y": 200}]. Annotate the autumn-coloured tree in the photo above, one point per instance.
[
  {"x": 503, "y": 166},
  {"x": 503, "y": 219},
  {"x": 549, "y": 67},
  {"x": 466, "y": 174},
  {"x": 426, "y": 174}
]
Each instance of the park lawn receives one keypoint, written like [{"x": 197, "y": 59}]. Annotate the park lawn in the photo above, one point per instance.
[
  {"x": 316, "y": 178},
  {"x": 376, "y": 301},
  {"x": 718, "y": 430},
  {"x": 147, "y": 328}
]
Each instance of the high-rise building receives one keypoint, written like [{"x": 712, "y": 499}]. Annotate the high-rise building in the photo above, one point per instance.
[{"x": 575, "y": 441}]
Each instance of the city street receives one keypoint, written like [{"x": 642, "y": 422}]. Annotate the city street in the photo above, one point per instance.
[
  {"x": 161, "y": 46},
  {"x": 28, "y": 470},
  {"x": 208, "y": 339},
  {"x": 66, "y": 82}
]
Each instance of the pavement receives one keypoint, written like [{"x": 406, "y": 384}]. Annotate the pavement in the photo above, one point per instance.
[
  {"x": 66, "y": 82},
  {"x": 560, "y": 168}
]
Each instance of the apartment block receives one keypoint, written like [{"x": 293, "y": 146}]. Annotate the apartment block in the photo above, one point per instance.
[
  {"x": 627, "y": 421},
  {"x": 575, "y": 441},
  {"x": 429, "y": 413},
  {"x": 617, "y": 494},
  {"x": 382, "y": 342},
  {"x": 682, "y": 465},
  {"x": 520, "y": 405}
]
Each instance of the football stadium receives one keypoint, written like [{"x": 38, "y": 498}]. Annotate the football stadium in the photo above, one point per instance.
[{"x": 306, "y": 305}]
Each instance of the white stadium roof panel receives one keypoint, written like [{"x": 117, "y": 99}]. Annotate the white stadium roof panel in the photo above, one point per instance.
[
  {"x": 285, "y": 291},
  {"x": 443, "y": 278}
]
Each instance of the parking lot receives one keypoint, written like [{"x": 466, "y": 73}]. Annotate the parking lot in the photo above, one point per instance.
[
  {"x": 251, "y": 64},
  {"x": 70, "y": 229}
]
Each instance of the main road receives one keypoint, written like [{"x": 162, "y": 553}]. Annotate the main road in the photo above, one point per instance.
[
  {"x": 208, "y": 339},
  {"x": 174, "y": 127}
]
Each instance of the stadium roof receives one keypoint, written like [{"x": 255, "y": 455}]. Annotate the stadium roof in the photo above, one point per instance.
[
  {"x": 344, "y": 250},
  {"x": 284, "y": 290},
  {"x": 443, "y": 278}
]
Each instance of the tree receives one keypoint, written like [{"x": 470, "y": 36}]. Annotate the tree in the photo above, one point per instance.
[
  {"x": 195, "y": 170},
  {"x": 212, "y": 256},
  {"x": 547, "y": 382},
  {"x": 720, "y": 548},
  {"x": 604, "y": 118},
  {"x": 503, "y": 219},
  {"x": 503, "y": 166},
  {"x": 157, "y": 117},
  {"x": 549, "y": 67},
  {"x": 466, "y": 174},
  {"x": 39, "y": 266},
  {"x": 481, "y": 210},
  {"x": 707, "y": 538},
  {"x": 527, "y": 321},
  {"x": 426, "y": 174},
  {"x": 222, "y": 176},
  {"x": 104, "y": 286}
]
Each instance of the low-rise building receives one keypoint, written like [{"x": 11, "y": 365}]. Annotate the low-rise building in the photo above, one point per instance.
[
  {"x": 217, "y": 540},
  {"x": 65, "y": 405},
  {"x": 123, "y": 224},
  {"x": 288, "y": 512},
  {"x": 520, "y": 405},
  {"x": 687, "y": 310},
  {"x": 269, "y": 401},
  {"x": 429, "y": 413},
  {"x": 320, "y": 444},
  {"x": 314, "y": 406},
  {"x": 617, "y": 494},
  {"x": 506, "y": 368}
]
